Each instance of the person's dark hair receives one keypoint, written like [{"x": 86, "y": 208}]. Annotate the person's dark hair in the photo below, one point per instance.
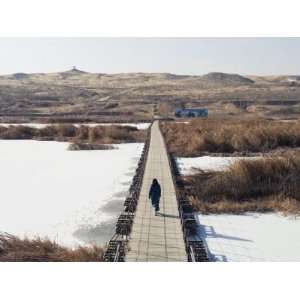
[{"x": 154, "y": 181}]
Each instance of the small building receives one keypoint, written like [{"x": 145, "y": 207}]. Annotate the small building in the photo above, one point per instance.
[{"x": 191, "y": 112}]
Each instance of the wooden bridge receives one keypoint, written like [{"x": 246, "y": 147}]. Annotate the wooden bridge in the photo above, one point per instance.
[
  {"x": 157, "y": 238},
  {"x": 143, "y": 236}
]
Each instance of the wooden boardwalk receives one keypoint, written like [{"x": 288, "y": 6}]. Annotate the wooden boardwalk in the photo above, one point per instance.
[{"x": 157, "y": 238}]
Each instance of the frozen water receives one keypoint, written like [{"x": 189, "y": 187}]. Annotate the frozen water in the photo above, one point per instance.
[
  {"x": 187, "y": 165},
  {"x": 251, "y": 237},
  {"x": 49, "y": 191},
  {"x": 139, "y": 126}
]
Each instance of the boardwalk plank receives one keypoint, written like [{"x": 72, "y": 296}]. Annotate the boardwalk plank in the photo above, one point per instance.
[{"x": 157, "y": 238}]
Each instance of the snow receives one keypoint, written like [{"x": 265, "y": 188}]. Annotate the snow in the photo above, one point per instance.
[
  {"x": 182, "y": 122},
  {"x": 187, "y": 165},
  {"x": 251, "y": 237},
  {"x": 72, "y": 197},
  {"x": 247, "y": 237},
  {"x": 139, "y": 126}
]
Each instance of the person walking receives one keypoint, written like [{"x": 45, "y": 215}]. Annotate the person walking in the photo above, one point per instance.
[{"x": 154, "y": 194}]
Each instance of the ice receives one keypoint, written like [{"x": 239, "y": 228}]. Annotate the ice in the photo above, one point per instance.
[
  {"x": 188, "y": 165},
  {"x": 251, "y": 237},
  {"x": 139, "y": 126},
  {"x": 47, "y": 190}
]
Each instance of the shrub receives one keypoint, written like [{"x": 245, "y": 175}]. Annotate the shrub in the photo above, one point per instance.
[
  {"x": 17, "y": 132},
  {"x": 85, "y": 146},
  {"x": 67, "y": 130},
  {"x": 82, "y": 133}
]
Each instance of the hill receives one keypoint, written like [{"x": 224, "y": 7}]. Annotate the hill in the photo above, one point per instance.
[
  {"x": 217, "y": 78},
  {"x": 76, "y": 94}
]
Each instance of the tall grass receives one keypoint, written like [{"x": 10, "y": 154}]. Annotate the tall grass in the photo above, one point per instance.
[
  {"x": 15, "y": 249},
  {"x": 98, "y": 134},
  {"x": 229, "y": 136},
  {"x": 267, "y": 184}
]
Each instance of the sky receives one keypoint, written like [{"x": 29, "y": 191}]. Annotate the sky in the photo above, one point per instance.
[{"x": 194, "y": 56}]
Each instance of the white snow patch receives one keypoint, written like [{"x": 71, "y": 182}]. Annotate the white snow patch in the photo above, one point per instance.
[
  {"x": 251, "y": 237},
  {"x": 49, "y": 191},
  {"x": 139, "y": 126},
  {"x": 182, "y": 122},
  {"x": 187, "y": 165}
]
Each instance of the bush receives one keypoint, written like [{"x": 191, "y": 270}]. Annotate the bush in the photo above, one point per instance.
[
  {"x": 85, "y": 146},
  {"x": 17, "y": 132},
  {"x": 67, "y": 130}
]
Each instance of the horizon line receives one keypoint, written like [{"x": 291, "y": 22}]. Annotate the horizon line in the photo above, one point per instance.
[{"x": 145, "y": 72}]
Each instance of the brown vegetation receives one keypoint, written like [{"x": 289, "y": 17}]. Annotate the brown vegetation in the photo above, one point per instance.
[
  {"x": 82, "y": 134},
  {"x": 86, "y": 146},
  {"x": 72, "y": 96},
  {"x": 15, "y": 249},
  {"x": 229, "y": 136},
  {"x": 266, "y": 184}
]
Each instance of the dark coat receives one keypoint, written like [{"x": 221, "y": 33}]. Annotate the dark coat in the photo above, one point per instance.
[{"x": 155, "y": 193}]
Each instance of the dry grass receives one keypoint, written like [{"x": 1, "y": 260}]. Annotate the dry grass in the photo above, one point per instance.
[
  {"x": 267, "y": 184},
  {"x": 14, "y": 249},
  {"x": 269, "y": 204},
  {"x": 86, "y": 146},
  {"x": 229, "y": 136},
  {"x": 81, "y": 134}
]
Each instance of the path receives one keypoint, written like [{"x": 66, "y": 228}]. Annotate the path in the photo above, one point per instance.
[{"x": 157, "y": 238}]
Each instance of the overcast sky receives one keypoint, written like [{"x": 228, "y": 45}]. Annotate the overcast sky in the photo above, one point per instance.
[{"x": 247, "y": 56}]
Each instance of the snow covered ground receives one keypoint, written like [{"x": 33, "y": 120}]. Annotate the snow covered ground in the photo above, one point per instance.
[
  {"x": 139, "y": 126},
  {"x": 183, "y": 122},
  {"x": 248, "y": 237},
  {"x": 251, "y": 237},
  {"x": 73, "y": 197},
  {"x": 187, "y": 165}
]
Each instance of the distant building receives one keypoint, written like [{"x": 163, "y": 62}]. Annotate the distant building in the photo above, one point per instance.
[{"x": 191, "y": 112}]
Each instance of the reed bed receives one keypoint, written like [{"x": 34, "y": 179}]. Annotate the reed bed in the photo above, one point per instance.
[
  {"x": 202, "y": 136},
  {"x": 265, "y": 184},
  {"x": 13, "y": 249},
  {"x": 64, "y": 132}
]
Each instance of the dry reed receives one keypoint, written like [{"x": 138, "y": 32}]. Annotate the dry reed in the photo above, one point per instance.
[
  {"x": 229, "y": 136},
  {"x": 15, "y": 249},
  {"x": 266, "y": 184}
]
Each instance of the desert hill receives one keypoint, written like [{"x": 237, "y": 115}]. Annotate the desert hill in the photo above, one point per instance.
[{"x": 126, "y": 96}]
